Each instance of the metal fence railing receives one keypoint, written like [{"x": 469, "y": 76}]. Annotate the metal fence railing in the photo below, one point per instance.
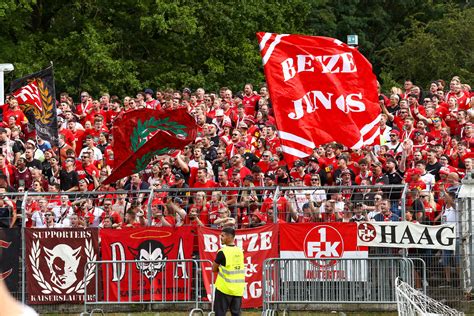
[
  {"x": 448, "y": 277},
  {"x": 148, "y": 287},
  {"x": 314, "y": 281}
]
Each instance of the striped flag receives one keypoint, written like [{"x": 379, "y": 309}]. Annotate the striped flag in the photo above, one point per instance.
[{"x": 322, "y": 90}]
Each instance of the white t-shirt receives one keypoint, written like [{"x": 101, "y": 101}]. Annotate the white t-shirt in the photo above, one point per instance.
[
  {"x": 59, "y": 213},
  {"x": 38, "y": 219}
]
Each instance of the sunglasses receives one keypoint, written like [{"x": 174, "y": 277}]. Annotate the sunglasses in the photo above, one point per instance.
[
  {"x": 314, "y": 179},
  {"x": 235, "y": 134},
  {"x": 393, "y": 135}
]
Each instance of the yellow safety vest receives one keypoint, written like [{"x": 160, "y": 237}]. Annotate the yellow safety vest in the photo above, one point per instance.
[{"x": 231, "y": 277}]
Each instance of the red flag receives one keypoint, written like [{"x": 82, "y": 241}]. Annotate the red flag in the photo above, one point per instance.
[
  {"x": 322, "y": 90},
  {"x": 152, "y": 277},
  {"x": 142, "y": 134}
]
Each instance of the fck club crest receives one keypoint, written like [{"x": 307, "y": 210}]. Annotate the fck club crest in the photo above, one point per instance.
[{"x": 323, "y": 242}]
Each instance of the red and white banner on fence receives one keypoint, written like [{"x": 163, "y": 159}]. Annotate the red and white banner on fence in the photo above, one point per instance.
[
  {"x": 258, "y": 244},
  {"x": 139, "y": 280},
  {"x": 322, "y": 90},
  {"x": 55, "y": 260},
  {"x": 406, "y": 235},
  {"x": 323, "y": 241}
]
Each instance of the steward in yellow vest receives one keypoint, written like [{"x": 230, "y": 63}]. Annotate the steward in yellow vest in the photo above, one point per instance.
[{"x": 230, "y": 282}]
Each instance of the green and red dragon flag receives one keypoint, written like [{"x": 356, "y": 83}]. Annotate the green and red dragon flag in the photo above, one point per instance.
[
  {"x": 142, "y": 134},
  {"x": 36, "y": 96}
]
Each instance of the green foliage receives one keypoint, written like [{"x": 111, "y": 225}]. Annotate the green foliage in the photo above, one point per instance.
[
  {"x": 438, "y": 49},
  {"x": 123, "y": 46}
]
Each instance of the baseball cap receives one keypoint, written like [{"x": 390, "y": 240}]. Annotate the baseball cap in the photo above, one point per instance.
[
  {"x": 148, "y": 91},
  {"x": 270, "y": 175},
  {"x": 299, "y": 163},
  {"x": 219, "y": 112}
]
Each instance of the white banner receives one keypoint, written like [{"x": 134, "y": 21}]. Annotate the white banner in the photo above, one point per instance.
[{"x": 406, "y": 235}]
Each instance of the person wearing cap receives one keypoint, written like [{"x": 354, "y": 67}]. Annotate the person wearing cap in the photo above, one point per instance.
[
  {"x": 150, "y": 102},
  {"x": 358, "y": 213},
  {"x": 250, "y": 159},
  {"x": 257, "y": 219},
  {"x": 219, "y": 119},
  {"x": 298, "y": 170},
  {"x": 37, "y": 153}
]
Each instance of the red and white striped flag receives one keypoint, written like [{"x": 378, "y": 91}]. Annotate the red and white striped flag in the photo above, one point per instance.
[{"x": 322, "y": 90}]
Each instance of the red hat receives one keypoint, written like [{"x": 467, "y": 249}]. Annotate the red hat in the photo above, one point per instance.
[
  {"x": 444, "y": 170},
  {"x": 394, "y": 131},
  {"x": 260, "y": 216},
  {"x": 227, "y": 124},
  {"x": 249, "y": 119},
  {"x": 419, "y": 132}
]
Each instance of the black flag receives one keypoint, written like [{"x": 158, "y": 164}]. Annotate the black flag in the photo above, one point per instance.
[
  {"x": 10, "y": 246},
  {"x": 36, "y": 96}
]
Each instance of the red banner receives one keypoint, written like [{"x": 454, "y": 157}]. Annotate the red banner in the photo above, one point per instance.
[
  {"x": 140, "y": 135},
  {"x": 56, "y": 260},
  {"x": 142, "y": 280},
  {"x": 323, "y": 241},
  {"x": 258, "y": 244},
  {"x": 322, "y": 90}
]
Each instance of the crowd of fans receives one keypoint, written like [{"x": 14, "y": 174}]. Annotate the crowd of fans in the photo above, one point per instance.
[{"x": 426, "y": 140}]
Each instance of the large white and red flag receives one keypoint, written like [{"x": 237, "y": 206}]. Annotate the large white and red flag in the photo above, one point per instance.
[{"x": 322, "y": 90}]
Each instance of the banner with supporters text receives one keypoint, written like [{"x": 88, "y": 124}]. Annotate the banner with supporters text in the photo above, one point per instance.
[
  {"x": 148, "y": 275},
  {"x": 55, "y": 262},
  {"x": 323, "y": 241},
  {"x": 258, "y": 244},
  {"x": 322, "y": 90},
  {"x": 406, "y": 235}
]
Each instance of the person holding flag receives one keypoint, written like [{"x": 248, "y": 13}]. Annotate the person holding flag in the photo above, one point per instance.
[{"x": 230, "y": 282}]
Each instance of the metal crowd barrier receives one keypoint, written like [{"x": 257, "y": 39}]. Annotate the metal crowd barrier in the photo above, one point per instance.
[
  {"x": 335, "y": 281},
  {"x": 191, "y": 292}
]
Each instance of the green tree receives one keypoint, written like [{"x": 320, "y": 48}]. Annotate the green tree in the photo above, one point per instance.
[{"x": 438, "y": 49}]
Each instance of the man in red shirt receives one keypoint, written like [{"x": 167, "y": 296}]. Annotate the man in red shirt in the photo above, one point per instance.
[
  {"x": 230, "y": 195},
  {"x": 150, "y": 102},
  {"x": 202, "y": 180},
  {"x": 14, "y": 110},
  {"x": 250, "y": 100}
]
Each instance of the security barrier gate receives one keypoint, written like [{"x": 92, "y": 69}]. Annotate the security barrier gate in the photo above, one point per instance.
[
  {"x": 146, "y": 282},
  {"x": 335, "y": 281}
]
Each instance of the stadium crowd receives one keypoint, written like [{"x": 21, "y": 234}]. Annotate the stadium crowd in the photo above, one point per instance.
[{"x": 426, "y": 140}]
